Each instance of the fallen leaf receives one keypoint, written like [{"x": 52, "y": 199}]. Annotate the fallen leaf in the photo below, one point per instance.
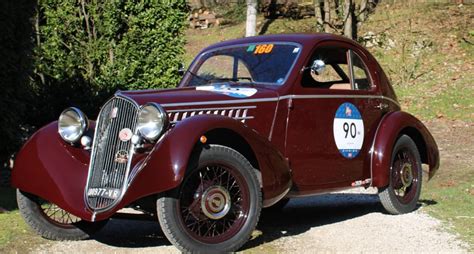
[{"x": 449, "y": 183}]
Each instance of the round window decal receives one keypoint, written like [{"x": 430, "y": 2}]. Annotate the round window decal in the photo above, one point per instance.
[{"x": 348, "y": 130}]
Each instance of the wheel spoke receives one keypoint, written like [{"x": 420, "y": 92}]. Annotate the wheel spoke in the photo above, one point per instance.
[
  {"x": 218, "y": 193},
  {"x": 57, "y": 215},
  {"x": 404, "y": 175}
]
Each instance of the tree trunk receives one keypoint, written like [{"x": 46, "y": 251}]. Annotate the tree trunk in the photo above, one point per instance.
[
  {"x": 318, "y": 12},
  {"x": 38, "y": 39},
  {"x": 327, "y": 16},
  {"x": 363, "y": 10},
  {"x": 250, "y": 29},
  {"x": 333, "y": 9},
  {"x": 348, "y": 32}
]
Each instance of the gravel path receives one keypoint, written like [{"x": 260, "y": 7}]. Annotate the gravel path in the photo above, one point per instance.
[{"x": 352, "y": 221}]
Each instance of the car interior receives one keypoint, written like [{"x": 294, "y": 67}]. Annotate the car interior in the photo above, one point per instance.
[{"x": 336, "y": 71}]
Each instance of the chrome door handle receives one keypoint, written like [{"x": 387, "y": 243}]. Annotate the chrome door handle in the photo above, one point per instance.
[{"x": 382, "y": 106}]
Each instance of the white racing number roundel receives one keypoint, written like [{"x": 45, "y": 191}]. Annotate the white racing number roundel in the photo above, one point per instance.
[{"x": 348, "y": 129}]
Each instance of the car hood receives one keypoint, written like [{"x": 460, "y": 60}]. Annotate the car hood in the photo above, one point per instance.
[
  {"x": 218, "y": 94},
  {"x": 255, "y": 107}
]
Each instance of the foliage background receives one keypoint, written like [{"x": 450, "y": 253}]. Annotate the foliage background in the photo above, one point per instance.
[
  {"x": 15, "y": 65},
  {"x": 60, "y": 53}
]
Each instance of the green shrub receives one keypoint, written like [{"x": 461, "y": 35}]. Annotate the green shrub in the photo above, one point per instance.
[
  {"x": 89, "y": 49},
  {"x": 62, "y": 53}
]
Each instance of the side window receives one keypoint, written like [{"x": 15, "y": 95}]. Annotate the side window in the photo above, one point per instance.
[
  {"x": 330, "y": 74},
  {"x": 360, "y": 73},
  {"x": 328, "y": 68}
]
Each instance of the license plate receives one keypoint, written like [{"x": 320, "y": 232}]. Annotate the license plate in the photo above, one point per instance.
[{"x": 104, "y": 192}]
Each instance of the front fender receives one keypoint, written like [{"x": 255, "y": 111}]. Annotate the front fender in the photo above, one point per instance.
[
  {"x": 49, "y": 168},
  {"x": 390, "y": 128},
  {"x": 166, "y": 165}
]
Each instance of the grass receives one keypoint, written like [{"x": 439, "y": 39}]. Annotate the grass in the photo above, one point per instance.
[
  {"x": 431, "y": 63},
  {"x": 454, "y": 203},
  {"x": 15, "y": 235}
]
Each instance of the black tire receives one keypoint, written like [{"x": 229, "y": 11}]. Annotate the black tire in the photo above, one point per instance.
[
  {"x": 406, "y": 175},
  {"x": 71, "y": 228},
  {"x": 179, "y": 213}
]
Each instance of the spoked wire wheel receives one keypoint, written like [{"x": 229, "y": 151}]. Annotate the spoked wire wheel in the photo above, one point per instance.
[
  {"x": 57, "y": 215},
  {"x": 52, "y": 222},
  {"x": 403, "y": 191},
  {"x": 215, "y": 203},
  {"x": 405, "y": 175},
  {"x": 217, "y": 206}
]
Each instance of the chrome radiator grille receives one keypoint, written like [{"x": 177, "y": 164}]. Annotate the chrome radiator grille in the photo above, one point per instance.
[{"x": 111, "y": 156}]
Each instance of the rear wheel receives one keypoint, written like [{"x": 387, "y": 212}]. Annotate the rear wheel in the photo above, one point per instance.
[
  {"x": 52, "y": 222},
  {"x": 403, "y": 191},
  {"x": 218, "y": 205}
]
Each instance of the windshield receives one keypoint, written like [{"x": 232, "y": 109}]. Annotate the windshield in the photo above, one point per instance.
[{"x": 251, "y": 63}]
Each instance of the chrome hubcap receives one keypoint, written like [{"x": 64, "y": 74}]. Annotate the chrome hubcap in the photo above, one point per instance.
[
  {"x": 406, "y": 175},
  {"x": 215, "y": 202}
]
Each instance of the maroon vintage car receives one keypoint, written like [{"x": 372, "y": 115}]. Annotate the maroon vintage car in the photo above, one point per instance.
[{"x": 253, "y": 123}]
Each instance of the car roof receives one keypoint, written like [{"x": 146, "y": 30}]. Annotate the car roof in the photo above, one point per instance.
[{"x": 305, "y": 39}]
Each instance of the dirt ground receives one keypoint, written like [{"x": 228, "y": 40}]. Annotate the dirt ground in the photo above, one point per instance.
[
  {"x": 331, "y": 223},
  {"x": 353, "y": 221}
]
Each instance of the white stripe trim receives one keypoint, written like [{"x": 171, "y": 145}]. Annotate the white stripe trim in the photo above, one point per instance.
[
  {"x": 209, "y": 109},
  {"x": 293, "y": 96}
]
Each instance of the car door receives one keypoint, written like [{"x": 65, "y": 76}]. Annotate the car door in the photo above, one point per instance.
[{"x": 332, "y": 120}]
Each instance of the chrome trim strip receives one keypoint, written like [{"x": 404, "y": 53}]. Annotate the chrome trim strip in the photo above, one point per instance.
[
  {"x": 292, "y": 96},
  {"x": 237, "y": 101},
  {"x": 273, "y": 122},
  {"x": 207, "y": 109},
  {"x": 335, "y": 96}
]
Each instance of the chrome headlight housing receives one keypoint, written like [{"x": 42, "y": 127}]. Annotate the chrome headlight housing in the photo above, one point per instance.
[
  {"x": 152, "y": 121},
  {"x": 72, "y": 124}
]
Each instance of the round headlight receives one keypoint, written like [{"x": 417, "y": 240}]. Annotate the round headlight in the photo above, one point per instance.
[
  {"x": 152, "y": 120},
  {"x": 72, "y": 124}
]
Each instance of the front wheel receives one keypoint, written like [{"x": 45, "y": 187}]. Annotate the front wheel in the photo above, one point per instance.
[
  {"x": 403, "y": 191},
  {"x": 217, "y": 206},
  {"x": 52, "y": 222}
]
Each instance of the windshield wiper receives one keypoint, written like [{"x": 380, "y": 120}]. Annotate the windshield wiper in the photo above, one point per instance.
[
  {"x": 231, "y": 79},
  {"x": 199, "y": 77}
]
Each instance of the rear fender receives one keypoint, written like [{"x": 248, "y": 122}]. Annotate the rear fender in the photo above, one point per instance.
[
  {"x": 168, "y": 161},
  {"x": 392, "y": 126}
]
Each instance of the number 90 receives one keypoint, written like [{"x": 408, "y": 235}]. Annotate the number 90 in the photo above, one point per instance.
[{"x": 350, "y": 129}]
